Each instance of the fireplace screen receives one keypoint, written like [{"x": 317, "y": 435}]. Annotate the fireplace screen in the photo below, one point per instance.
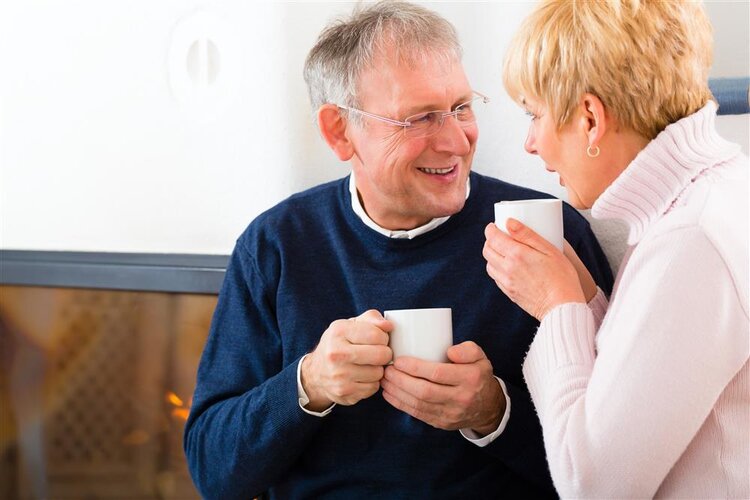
[{"x": 95, "y": 388}]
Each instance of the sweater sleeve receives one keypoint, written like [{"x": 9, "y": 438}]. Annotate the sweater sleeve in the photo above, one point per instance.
[
  {"x": 516, "y": 445},
  {"x": 245, "y": 427},
  {"x": 617, "y": 415},
  {"x": 598, "y": 306}
]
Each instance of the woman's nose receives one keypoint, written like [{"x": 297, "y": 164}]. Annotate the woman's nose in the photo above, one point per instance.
[{"x": 530, "y": 145}]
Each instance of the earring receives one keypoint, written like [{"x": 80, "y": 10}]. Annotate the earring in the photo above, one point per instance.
[{"x": 592, "y": 153}]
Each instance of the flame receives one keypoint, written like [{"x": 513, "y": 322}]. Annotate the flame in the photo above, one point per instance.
[
  {"x": 174, "y": 399},
  {"x": 181, "y": 413}
]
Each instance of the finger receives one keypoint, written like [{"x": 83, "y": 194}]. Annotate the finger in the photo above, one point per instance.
[
  {"x": 360, "y": 391},
  {"x": 365, "y": 333},
  {"x": 374, "y": 317},
  {"x": 491, "y": 230},
  {"x": 493, "y": 272},
  {"x": 371, "y": 355},
  {"x": 412, "y": 390},
  {"x": 567, "y": 248},
  {"x": 490, "y": 255},
  {"x": 466, "y": 353},
  {"x": 425, "y": 411},
  {"x": 439, "y": 373},
  {"x": 524, "y": 234},
  {"x": 499, "y": 241},
  {"x": 367, "y": 374},
  {"x": 402, "y": 406}
]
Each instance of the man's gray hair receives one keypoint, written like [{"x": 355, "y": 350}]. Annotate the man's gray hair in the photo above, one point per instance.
[{"x": 348, "y": 46}]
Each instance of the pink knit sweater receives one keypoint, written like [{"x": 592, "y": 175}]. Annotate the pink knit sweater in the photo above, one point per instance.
[{"x": 649, "y": 395}]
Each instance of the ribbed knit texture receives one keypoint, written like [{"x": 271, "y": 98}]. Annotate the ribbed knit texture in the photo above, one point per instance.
[
  {"x": 647, "y": 188},
  {"x": 655, "y": 402},
  {"x": 311, "y": 260}
]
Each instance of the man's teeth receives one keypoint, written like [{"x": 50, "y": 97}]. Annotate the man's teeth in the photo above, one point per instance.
[{"x": 437, "y": 170}]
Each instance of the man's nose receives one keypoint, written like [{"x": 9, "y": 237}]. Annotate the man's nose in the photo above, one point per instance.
[{"x": 452, "y": 137}]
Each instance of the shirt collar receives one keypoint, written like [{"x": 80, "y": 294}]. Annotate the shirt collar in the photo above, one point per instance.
[
  {"x": 650, "y": 185},
  {"x": 399, "y": 234}
]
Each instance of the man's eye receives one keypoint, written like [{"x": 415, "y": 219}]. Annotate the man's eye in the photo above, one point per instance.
[{"x": 422, "y": 118}]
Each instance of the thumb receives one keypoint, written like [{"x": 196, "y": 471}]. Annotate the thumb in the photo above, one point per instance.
[
  {"x": 465, "y": 353},
  {"x": 524, "y": 234}
]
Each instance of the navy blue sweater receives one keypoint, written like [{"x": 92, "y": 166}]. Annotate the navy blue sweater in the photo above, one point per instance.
[{"x": 309, "y": 261}]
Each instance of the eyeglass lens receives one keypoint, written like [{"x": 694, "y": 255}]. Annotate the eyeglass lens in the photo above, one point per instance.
[{"x": 428, "y": 123}]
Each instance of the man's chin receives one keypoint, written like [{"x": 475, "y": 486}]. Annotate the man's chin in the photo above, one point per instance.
[{"x": 446, "y": 210}]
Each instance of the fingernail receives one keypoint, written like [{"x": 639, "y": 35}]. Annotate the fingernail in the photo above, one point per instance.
[{"x": 513, "y": 225}]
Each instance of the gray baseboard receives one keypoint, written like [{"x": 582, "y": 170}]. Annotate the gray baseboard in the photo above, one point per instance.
[{"x": 182, "y": 273}]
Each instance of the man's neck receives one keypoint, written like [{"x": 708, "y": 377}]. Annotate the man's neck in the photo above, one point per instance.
[{"x": 359, "y": 209}]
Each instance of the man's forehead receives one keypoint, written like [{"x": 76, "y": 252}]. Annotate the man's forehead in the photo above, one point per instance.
[
  {"x": 413, "y": 82},
  {"x": 418, "y": 60}
]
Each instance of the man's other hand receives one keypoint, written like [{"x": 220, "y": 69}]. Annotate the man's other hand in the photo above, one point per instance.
[
  {"x": 347, "y": 365},
  {"x": 463, "y": 394}
]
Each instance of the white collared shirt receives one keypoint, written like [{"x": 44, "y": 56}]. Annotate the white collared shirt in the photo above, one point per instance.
[
  {"x": 398, "y": 233},
  {"x": 304, "y": 400}
]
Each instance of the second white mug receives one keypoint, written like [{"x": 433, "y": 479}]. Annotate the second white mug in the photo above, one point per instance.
[{"x": 543, "y": 216}]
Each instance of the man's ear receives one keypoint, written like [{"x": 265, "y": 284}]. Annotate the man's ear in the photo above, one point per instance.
[
  {"x": 594, "y": 119},
  {"x": 333, "y": 129}
]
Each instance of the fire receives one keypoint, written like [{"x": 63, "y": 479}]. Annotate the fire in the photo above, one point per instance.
[
  {"x": 138, "y": 437},
  {"x": 180, "y": 411},
  {"x": 174, "y": 399}
]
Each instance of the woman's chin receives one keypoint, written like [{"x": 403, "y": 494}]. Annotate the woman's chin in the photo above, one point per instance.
[{"x": 575, "y": 200}]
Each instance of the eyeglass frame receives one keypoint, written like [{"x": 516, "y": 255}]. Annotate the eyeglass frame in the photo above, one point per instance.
[{"x": 406, "y": 124}]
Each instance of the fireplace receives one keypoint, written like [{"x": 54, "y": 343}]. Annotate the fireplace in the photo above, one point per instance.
[{"x": 95, "y": 388}]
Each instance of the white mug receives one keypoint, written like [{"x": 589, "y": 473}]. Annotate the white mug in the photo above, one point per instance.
[
  {"x": 421, "y": 333},
  {"x": 543, "y": 216}
]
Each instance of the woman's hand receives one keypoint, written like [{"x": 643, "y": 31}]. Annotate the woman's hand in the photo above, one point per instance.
[
  {"x": 532, "y": 272},
  {"x": 584, "y": 276}
]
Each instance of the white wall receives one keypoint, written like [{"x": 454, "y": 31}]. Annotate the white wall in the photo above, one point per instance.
[{"x": 118, "y": 134}]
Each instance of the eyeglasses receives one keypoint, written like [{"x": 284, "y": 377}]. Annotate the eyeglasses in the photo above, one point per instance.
[{"x": 430, "y": 122}]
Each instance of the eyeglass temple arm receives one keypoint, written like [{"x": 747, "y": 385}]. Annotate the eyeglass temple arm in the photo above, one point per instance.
[
  {"x": 377, "y": 117},
  {"x": 485, "y": 99}
]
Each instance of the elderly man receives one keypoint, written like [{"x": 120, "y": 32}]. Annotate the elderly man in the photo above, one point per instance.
[{"x": 295, "y": 397}]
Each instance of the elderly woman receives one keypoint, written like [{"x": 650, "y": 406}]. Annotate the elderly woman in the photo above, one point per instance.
[{"x": 647, "y": 394}]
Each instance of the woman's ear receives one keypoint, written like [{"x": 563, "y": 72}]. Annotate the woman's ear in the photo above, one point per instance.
[
  {"x": 333, "y": 129},
  {"x": 594, "y": 119}
]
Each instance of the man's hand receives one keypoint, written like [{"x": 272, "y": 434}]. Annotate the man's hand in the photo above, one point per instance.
[
  {"x": 463, "y": 394},
  {"x": 347, "y": 364}
]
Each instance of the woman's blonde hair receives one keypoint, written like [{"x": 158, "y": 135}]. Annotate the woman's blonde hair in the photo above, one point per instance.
[{"x": 647, "y": 60}]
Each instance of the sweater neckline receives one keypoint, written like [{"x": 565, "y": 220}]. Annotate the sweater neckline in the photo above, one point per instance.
[
  {"x": 654, "y": 180},
  {"x": 375, "y": 238}
]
